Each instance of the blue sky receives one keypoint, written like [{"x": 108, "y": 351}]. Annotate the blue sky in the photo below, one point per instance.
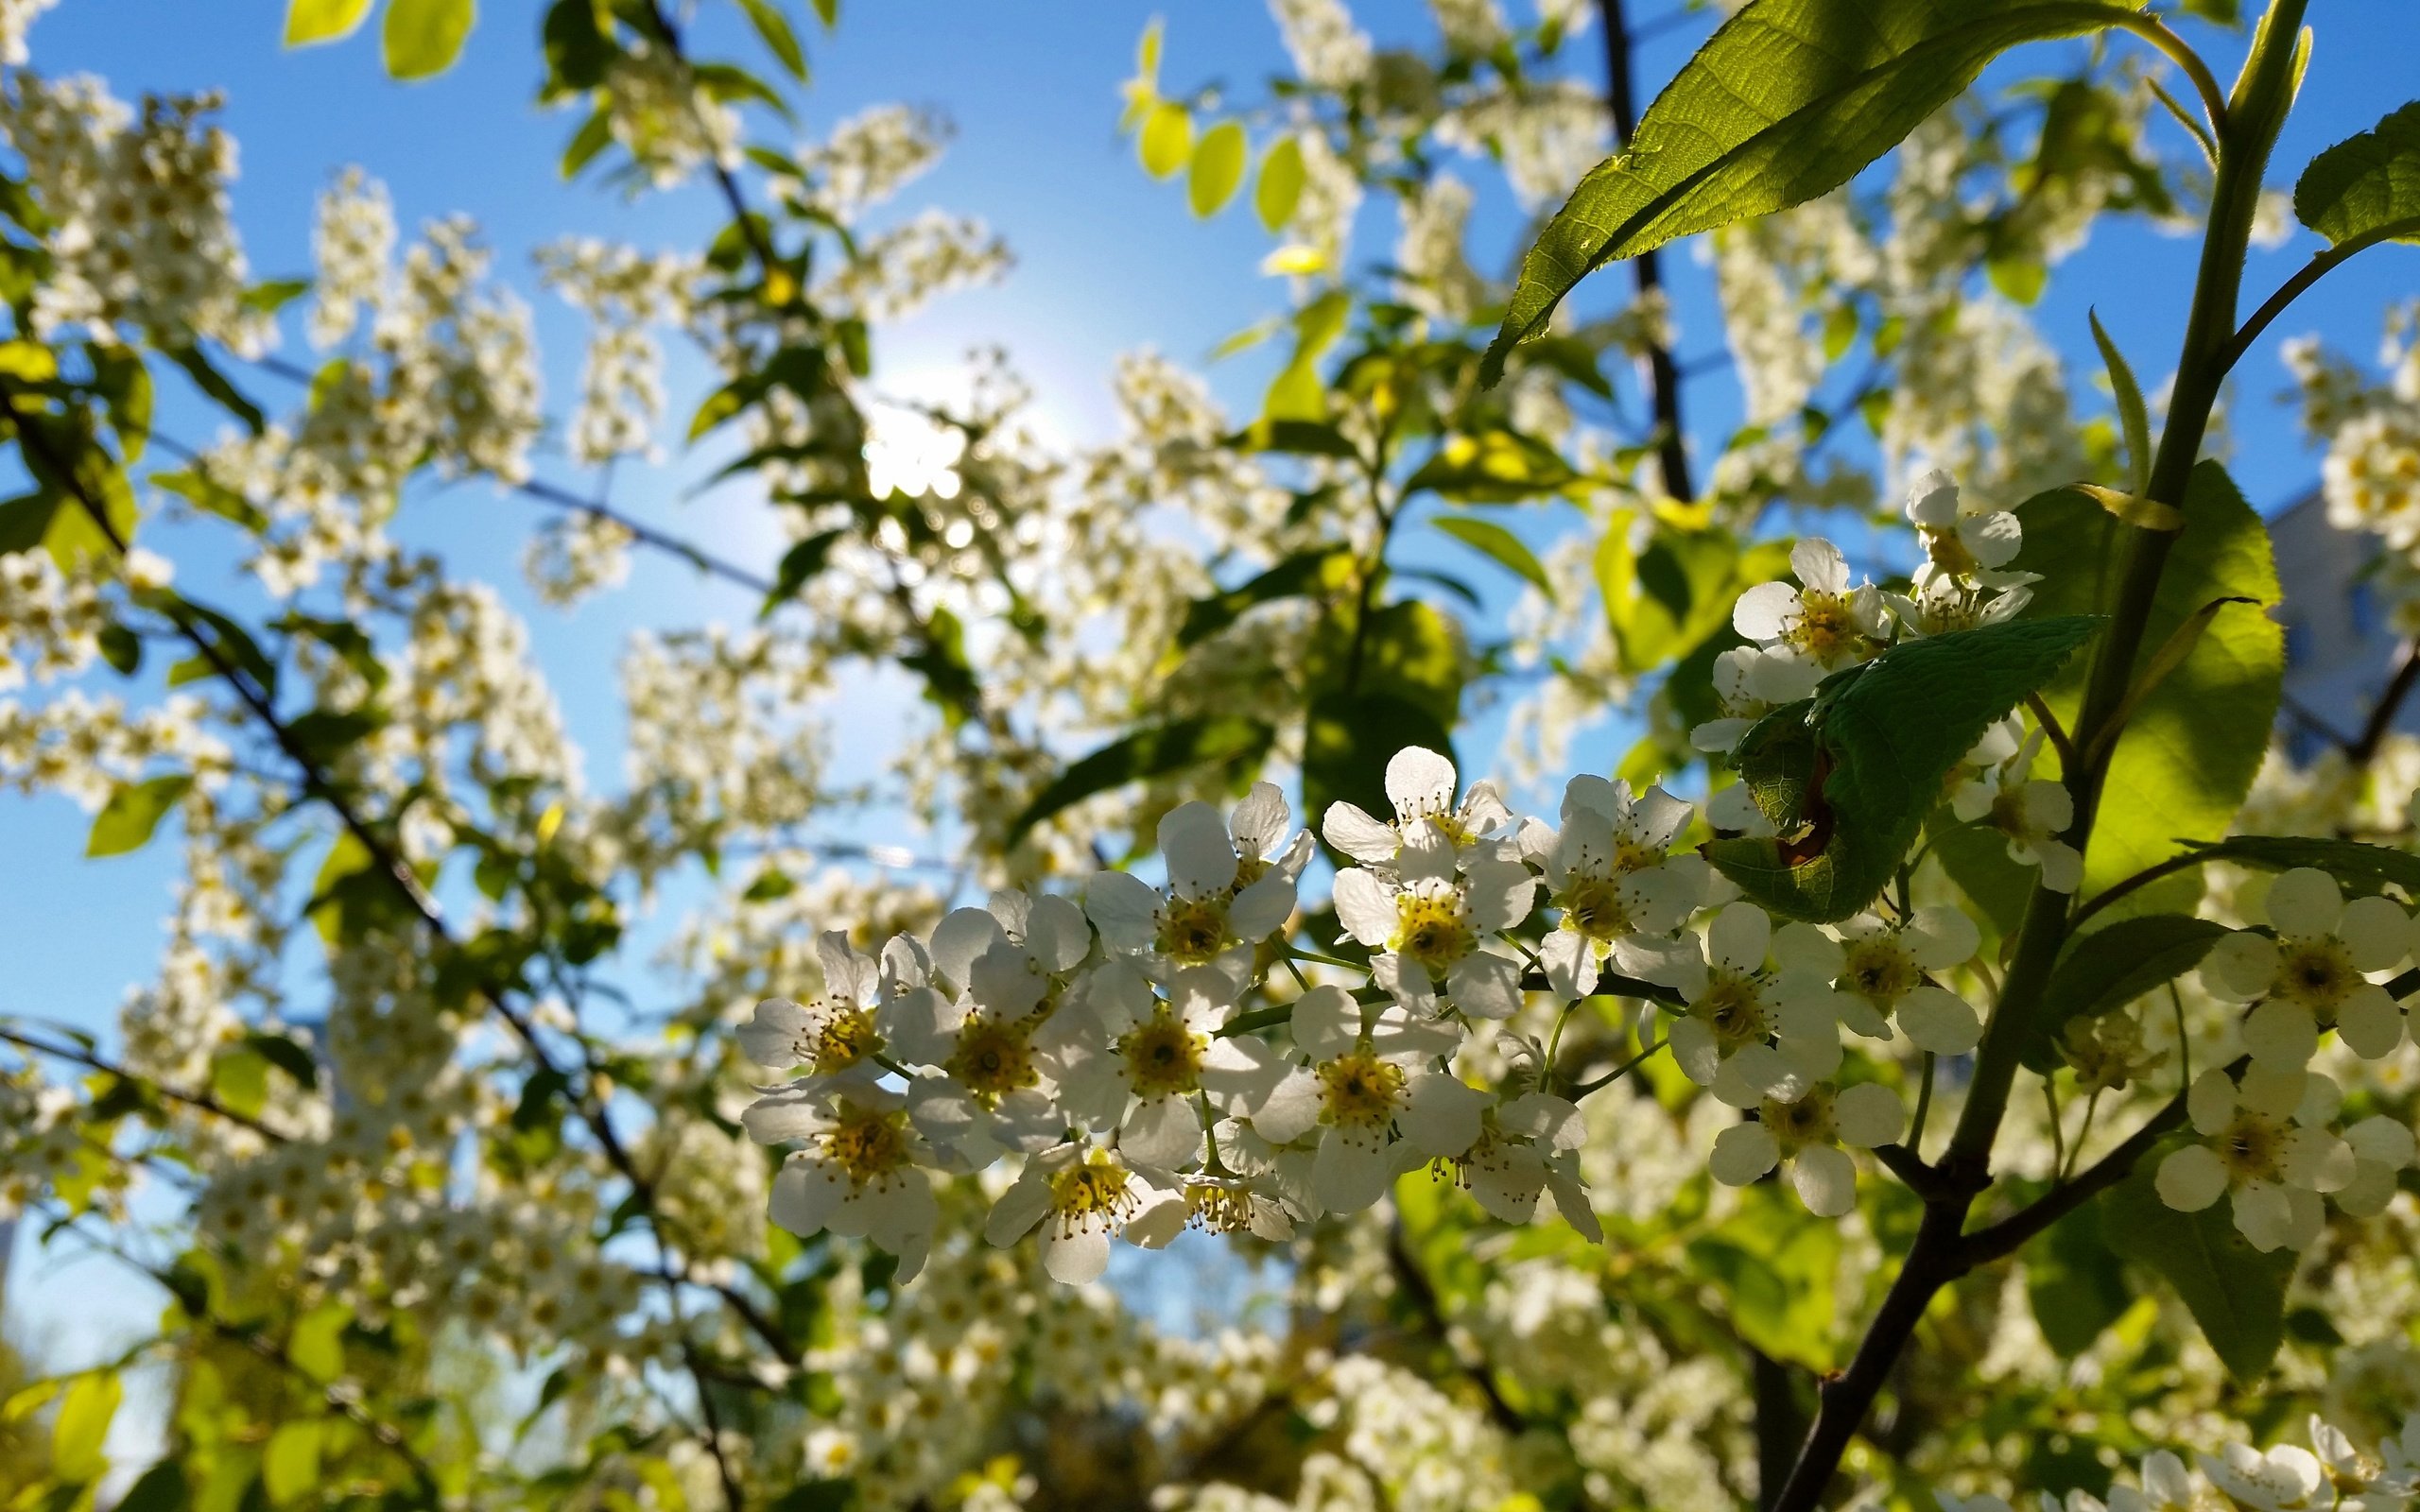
[{"x": 1108, "y": 260}]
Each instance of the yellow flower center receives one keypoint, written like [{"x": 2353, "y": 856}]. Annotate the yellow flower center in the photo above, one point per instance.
[
  {"x": 1948, "y": 552},
  {"x": 1879, "y": 970},
  {"x": 1795, "y": 1125},
  {"x": 1827, "y": 629},
  {"x": 1163, "y": 1057},
  {"x": 1359, "y": 1091},
  {"x": 2008, "y": 813},
  {"x": 1193, "y": 931},
  {"x": 846, "y": 1038},
  {"x": 867, "y": 1143},
  {"x": 1592, "y": 906},
  {"x": 2252, "y": 1148},
  {"x": 1217, "y": 1207},
  {"x": 993, "y": 1059},
  {"x": 1735, "y": 1011},
  {"x": 1432, "y": 929},
  {"x": 1094, "y": 1194},
  {"x": 2317, "y": 974}
]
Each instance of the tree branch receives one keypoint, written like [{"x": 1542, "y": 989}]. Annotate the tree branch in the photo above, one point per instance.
[
  {"x": 202, "y": 1101},
  {"x": 1663, "y": 379}
]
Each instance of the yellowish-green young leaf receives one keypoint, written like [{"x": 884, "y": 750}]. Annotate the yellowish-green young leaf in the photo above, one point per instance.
[
  {"x": 2236, "y": 1294},
  {"x": 1167, "y": 141},
  {"x": 1296, "y": 394},
  {"x": 424, "y": 37},
  {"x": 1500, "y": 545},
  {"x": 1218, "y": 162},
  {"x": 1788, "y": 100},
  {"x": 239, "y": 1079},
  {"x": 127, "y": 821},
  {"x": 28, "y": 360},
  {"x": 828, "y": 11},
  {"x": 85, "y": 1410},
  {"x": 1147, "y": 51},
  {"x": 2134, "y": 510},
  {"x": 2367, "y": 184},
  {"x": 773, "y": 29},
  {"x": 1281, "y": 184},
  {"x": 2189, "y": 752},
  {"x": 2131, "y": 412},
  {"x": 317, "y": 1347},
  {"x": 290, "y": 1464},
  {"x": 314, "y": 20},
  {"x": 1776, "y": 1264},
  {"x": 74, "y": 537}
]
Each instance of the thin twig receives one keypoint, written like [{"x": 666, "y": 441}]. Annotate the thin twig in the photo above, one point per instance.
[{"x": 202, "y": 1101}]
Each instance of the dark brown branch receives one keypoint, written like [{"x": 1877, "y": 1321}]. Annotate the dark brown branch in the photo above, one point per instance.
[
  {"x": 1663, "y": 379},
  {"x": 1422, "y": 1294},
  {"x": 2374, "y": 731},
  {"x": 202, "y": 1101}
]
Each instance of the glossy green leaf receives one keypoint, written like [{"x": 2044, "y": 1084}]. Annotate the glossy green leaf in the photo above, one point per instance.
[
  {"x": 317, "y": 1343},
  {"x": 800, "y": 562},
  {"x": 207, "y": 378},
  {"x": 161, "y": 1489},
  {"x": 2076, "y": 1283},
  {"x": 773, "y": 29},
  {"x": 1303, "y": 572},
  {"x": 2362, "y": 869},
  {"x": 2236, "y": 1294},
  {"x": 1494, "y": 467},
  {"x": 82, "y": 1427},
  {"x": 1155, "y": 751},
  {"x": 1788, "y": 100},
  {"x": 133, "y": 811},
  {"x": 207, "y": 494},
  {"x": 287, "y": 1056},
  {"x": 2365, "y": 183},
  {"x": 578, "y": 44},
  {"x": 290, "y": 1464},
  {"x": 1668, "y": 599},
  {"x": 2194, "y": 743},
  {"x": 1280, "y": 189},
  {"x": 2108, "y": 969},
  {"x": 1849, "y": 774},
  {"x": 239, "y": 1079},
  {"x": 314, "y": 20},
  {"x": 424, "y": 37},
  {"x": 1218, "y": 169},
  {"x": 1166, "y": 140},
  {"x": 2133, "y": 416},
  {"x": 1498, "y": 545}
]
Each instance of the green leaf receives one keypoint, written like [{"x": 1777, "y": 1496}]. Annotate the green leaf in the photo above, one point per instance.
[
  {"x": 1665, "y": 601},
  {"x": 121, "y": 648},
  {"x": 594, "y": 136},
  {"x": 1218, "y": 169},
  {"x": 827, "y": 11},
  {"x": 1494, "y": 467},
  {"x": 2364, "y": 869},
  {"x": 120, "y": 377},
  {"x": 2108, "y": 969},
  {"x": 1166, "y": 140},
  {"x": 287, "y": 1056},
  {"x": 24, "y": 520},
  {"x": 1280, "y": 189},
  {"x": 1348, "y": 738},
  {"x": 127, "y": 820},
  {"x": 1788, "y": 100},
  {"x": 207, "y": 378},
  {"x": 161, "y": 1489},
  {"x": 1303, "y": 573},
  {"x": 1155, "y": 751},
  {"x": 2194, "y": 743},
  {"x": 1849, "y": 774},
  {"x": 424, "y": 37},
  {"x": 2365, "y": 183},
  {"x": 774, "y": 28},
  {"x": 314, "y": 21},
  {"x": 2075, "y": 1282},
  {"x": 2131, "y": 413},
  {"x": 1500, "y": 545},
  {"x": 1300, "y": 438},
  {"x": 290, "y": 1464},
  {"x": 579, "y": 46},
  {"x": 2236, "y": 1294},
  {"x": 212, "y": 497},
  {"x": 317, "y": 1344},
  {"x": 1776, "y": 1265},
  {"x": 239, "y": 1079},
  {"x": 1411, "y": 652},
  {"x": 83, "y": 1425},
  {"x": 799, "y": 563}
]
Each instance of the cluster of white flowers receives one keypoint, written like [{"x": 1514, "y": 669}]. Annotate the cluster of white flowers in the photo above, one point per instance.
[
  {"x": 141, "y": 228},
  {"x": 2268, "y": 1136},
  {"x": 898, "y": 271},
  {"x": 2332, "y": 1474},
  {"x": 51, "y": 620},
  {"x": 2370, "y": 476},
  {"x": 624, "y": 293},
  {"x": 656, "y": 109},
  {"x": 1436, "y": 275},
  {"x": 15, "y": 16},
  {"x": 1329, "y": 51},
  {"x": 869, "y": 157}
]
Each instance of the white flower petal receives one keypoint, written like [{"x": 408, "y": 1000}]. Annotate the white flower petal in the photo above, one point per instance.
[
  {"x": 1826, "y": 1179},
  {"x": 2305, "y": 904},
  {"x": 1764, "y": 611},
  {"x": 2371, "y": 1021},
  {"x": 1365, "y": 906},
  {"x": 1420, "y": 782},
  {"x": 1262, "y": 908},
  {"x": 2240, "y": 966},
  {"x": 1869, "y": 1114},
  {"x": 1164, "y": 1131},
  {"x": 959, "y": 937},
  {"x": 1739, "y": 937},
  {"x": 1819, "y": 564},
  {"x": 2281, "y": 1033},
  {"x": 1742, "y": 1154},
  {"x": 1126, "y": 910},
  {"x": 2376, "y": 933},
  {"x": 1327, "y": 1021},
  {"x": 1076, "y": 1258},
  {"x": 1485, "y": 986},
  {"x": 1260, "y": 821},
  {"x": 1019, "y": 1209},
  {"x": 1350, "y": 830},
  {"x": 1441, "y": 1115},
  {"x": 1939, "y": 1020},
  {"x": 1349, "y": 1174},
  {"x": 2210, "y": 1103},
  {"x": 2191, "y": 1178}
]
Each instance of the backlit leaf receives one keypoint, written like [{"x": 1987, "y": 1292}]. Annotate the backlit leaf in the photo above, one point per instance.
[
  {"x": 2236, "y": 1294},
  {"x": 133, "y": 811},
  {"x": 424, "y": 37},
  {"x": 1281, "y": 184},
  {"x": 1167, "y": 141},
  {"x": 1155, "y": 751},
  {"x": 2365, "y": 183},
  {"x": 1218, "y": 169},
  {"x": 313, "y": 21}
]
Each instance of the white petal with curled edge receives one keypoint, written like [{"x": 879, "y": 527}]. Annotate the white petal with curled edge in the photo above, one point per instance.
[
  {"x": 2263, "y": 1215},
  {"x": 1350, "y": 1173},
  {"x": 1571, "y": 1197},
  {"x": 1552, "y": 1121},
  {"x": 2191, "y": 1178},
  {"x": 1055, "y": 933},
  {"x": 2061, "y": 864},
  {"x": 1260, "y": 821},
  {"x": 1942, "y": 937},
  {"x": 1742, "y": 1154},
  {"x": 1570, "y": 962},
  {"x": 2281, "y": 1033},
  {"x": 2371, "y": 1021},
  {"x": 1156, "y": 1224},
  {"x": 780, "y": 1117},
  {"x": 1803, "y": 947},
  {"x": 1994, "y": 539},
  {"x": 1658, "y": 817},
  {"x": 1327, "y": 1021},
  {"x": 1695, "y": 1050},
  {"x": 2305, "y": 904},
  {"x": 1349, "y": 828},
  {"x": 1826, "y": 1179},
  {"x": 1162, "y": 1131},
  {"x": 1819, "y": 564},
  {"x": 1485, "y": 986},
  {"x": 1290, "y": 1110},
  {"x": 1782, "y": 674},
  {"x": 773, "y": 1034},
  {"x": 962, "y": 935},
  {"x": 1420, "y": 782},
  {"x": 1508, "y": 1183},
  {"x": 1200, "y": 854},
  {"x": 1076, "y": 1258},
  {"x": 1932, "y": 499},
  {"x": 1869, "y": 1114},
  {"x": 2376, "y": 933},
  {"x": 1588, "y": 793},
  {"x": 1939, "y": 1020},
  {"x": 1365, "y": 906},
  {"x": 839, "y": 963},
  {"x": 1125, "y": 909},
  {"x": 1262, "y": 908},
  {"x": 1765, "y": 610},
  {"x": 2210, "y": 1102},
  {"x": 806, "y": 1194},
  {"x": 1718, "y": 737},
  {"x": 1498, "y": 893},
  {"x": 1859, "y": 1016},
  {"x": 1019, "y": 1209},
  {"x": 1441, "y": 1115},
  {"x": 1739, "y": 937},
  {"x": 2240, "y": 966}
]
